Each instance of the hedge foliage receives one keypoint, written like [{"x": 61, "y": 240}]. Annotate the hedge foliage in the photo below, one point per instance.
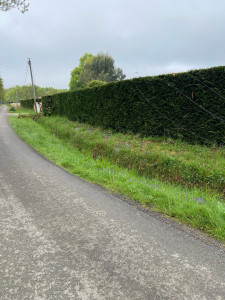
[
  {"x": 188, "y": 105},
  {"x": 28, "y": 103}
]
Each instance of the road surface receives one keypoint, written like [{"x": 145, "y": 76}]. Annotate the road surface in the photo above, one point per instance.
[{"x": 64, "y": 238}]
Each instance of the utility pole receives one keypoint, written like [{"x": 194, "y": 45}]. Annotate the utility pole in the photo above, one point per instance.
[{"x": 32, "y": 81}]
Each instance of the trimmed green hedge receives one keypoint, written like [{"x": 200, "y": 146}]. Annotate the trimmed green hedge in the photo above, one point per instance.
[
  {"x": 28, "y": 103},
  {"x": 187, "y": 105}
]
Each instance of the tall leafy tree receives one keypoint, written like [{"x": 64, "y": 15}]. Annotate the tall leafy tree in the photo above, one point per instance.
[
  {"x": 75, "y": 82},
  {"x": 101, "y": 67},
  {"x": 22, "y": 5}
]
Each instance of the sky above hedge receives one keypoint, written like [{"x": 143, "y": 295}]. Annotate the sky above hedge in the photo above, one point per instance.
[{"x": 145, "y": 37}]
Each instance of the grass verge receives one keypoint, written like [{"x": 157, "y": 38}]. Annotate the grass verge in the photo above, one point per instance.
[
  {"x": 201, "y": 209},
  {"x": 169, "y": 160},
  {"x": 20, "y": 110}
]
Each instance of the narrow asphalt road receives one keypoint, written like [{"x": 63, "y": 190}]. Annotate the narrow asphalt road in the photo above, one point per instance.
[{"x": 64, "y": 238}]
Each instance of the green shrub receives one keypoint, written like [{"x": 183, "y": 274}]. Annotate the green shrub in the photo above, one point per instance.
[
  {"x": 95, "y": 83},
  {"x": 28, "y": 103}
]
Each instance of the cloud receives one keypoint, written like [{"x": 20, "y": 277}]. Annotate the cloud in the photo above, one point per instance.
[{"x": 149, "y": 37}]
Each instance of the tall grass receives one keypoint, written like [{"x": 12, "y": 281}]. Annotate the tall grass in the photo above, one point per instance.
[
  {"x": 201, "y": 209},
  {"x": 169, "y": 160}
]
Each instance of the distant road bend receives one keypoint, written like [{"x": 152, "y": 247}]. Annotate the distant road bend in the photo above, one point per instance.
[{"x": 64, "y": 238}]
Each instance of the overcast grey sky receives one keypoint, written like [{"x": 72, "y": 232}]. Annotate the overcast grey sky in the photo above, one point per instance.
[{"x": 145, "y": 37}]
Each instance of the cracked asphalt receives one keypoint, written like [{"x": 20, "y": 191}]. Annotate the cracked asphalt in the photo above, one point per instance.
[{"x": 64, "y": 238}]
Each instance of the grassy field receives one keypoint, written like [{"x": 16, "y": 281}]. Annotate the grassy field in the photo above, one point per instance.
[{"x": 146, "y": 170}]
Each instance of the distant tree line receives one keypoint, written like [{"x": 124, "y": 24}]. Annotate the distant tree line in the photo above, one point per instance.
[
  {"x": 17, "y": 93},
  {"x": 94, "y": 70},
  {"x": 1, "y": 90}
]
